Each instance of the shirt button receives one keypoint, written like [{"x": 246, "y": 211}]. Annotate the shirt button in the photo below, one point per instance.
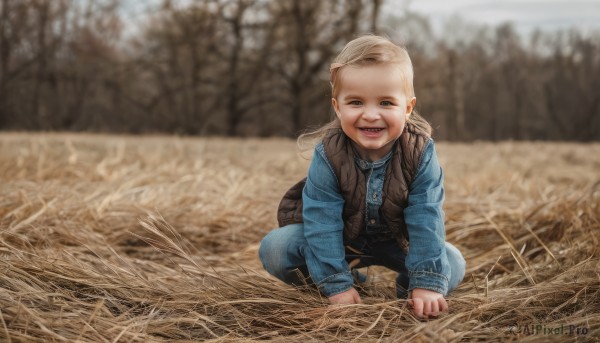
[
  {"x": 373, "y": 221},
  {"x": 374, "y": 196}
]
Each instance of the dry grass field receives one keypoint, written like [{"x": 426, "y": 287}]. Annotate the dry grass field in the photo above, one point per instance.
[{"x": 149, "y": 239}]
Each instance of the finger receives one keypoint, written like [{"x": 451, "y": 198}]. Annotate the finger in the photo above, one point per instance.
[
  {"x": 357, "y": 299},
  {"x": 418, "y": 307},
  {"x": 443, "y": 305},
  {"x": 426, "y": 308},
  {"x": 354, "y": 262},
  {"x": 434, "y": 309},
  {"x": 355, "y": 296}
]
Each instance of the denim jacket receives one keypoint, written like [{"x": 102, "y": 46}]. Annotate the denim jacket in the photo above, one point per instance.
[{"x": 426, "y": 261}]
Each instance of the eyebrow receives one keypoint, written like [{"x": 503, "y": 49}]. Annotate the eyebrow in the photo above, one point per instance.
[{"x": 353, "y": 96}]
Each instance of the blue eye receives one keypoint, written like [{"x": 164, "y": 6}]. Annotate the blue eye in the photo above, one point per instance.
[{"x": 385, "y": 103}]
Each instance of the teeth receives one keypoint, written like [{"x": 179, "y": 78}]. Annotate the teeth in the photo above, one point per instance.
[{"x": 372, "y": 130}]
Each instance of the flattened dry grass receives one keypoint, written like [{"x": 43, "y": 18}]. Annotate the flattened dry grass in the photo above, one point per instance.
[{"x": 149, "y": 239}]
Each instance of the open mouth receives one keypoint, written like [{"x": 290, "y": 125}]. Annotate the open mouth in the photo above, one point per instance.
[{"x": 371, "y": 129}]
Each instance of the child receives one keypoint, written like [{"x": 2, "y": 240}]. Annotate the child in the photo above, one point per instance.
[{"x": 373, "y": 186}]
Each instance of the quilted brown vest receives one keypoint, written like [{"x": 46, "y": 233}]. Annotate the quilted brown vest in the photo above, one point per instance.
[{"x": 398, "y": 177}]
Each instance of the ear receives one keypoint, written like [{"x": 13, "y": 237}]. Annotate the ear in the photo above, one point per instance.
[
  {"x": 336, "y": 107},
  {"x": 410, "y": 105}
]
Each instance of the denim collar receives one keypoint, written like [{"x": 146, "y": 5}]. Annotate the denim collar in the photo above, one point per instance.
[{"x": 366, "y": 165}]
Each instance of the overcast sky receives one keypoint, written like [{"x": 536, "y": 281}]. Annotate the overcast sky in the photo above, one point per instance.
[{"x": 524, "y": 14}]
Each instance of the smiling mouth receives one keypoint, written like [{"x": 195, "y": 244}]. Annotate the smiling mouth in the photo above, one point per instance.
[{"x": 371, "y": 129}]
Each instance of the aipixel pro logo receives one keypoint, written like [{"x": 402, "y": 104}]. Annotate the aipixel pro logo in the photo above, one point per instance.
[{"x": 548, "y": 330}]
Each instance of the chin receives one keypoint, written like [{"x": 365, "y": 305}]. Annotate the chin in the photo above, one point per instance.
[{"x": 372, "y": 147}]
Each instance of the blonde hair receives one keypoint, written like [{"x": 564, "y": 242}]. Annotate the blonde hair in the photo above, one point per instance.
[{"x": 363, "y": 51}]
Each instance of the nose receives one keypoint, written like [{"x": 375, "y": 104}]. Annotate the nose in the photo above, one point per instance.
[{"x": 371, "y": 113}]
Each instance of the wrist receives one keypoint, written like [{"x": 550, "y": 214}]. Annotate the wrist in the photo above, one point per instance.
[
  {"x": 428, "y": 280},
  {"x": 336, "y": 284},
  {"x": 338, "y": 292}
]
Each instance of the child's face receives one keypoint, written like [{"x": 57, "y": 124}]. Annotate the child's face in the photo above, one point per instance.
[{"x": 372, "y": 107}]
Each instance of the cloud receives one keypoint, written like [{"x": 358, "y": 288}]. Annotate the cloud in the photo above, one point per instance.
[{"x": 525, "y": 15}]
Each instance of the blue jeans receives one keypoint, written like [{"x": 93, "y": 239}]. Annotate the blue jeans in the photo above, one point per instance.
[{"x": 281, "y": 253}]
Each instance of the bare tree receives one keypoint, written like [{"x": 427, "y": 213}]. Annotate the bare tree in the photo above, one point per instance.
[
  {"x": 260, "y": 67},
  {"x": 312, "y": 32},
  {"x": 571, "y": 75}
]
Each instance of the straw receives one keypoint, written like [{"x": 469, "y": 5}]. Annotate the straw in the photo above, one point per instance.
[{"x": 154, "y": 239}]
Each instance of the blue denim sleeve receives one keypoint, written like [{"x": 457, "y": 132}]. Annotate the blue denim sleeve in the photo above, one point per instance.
[
  {"x": 323, "y": 228},
  {"x": 427, "y": 263}
]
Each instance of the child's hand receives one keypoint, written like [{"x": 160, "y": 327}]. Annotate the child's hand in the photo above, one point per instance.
[
  {"x": 348, "y": 297},
  {"x": 427, "y": 303}
]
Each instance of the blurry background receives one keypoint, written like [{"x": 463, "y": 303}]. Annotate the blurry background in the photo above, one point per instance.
[{"x": 490, "y": 70}]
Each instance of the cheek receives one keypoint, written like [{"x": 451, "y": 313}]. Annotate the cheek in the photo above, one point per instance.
[
  {"x": 397, "y": 125},
  {"x": 349, "y": 113},
  {"x": 396, "y": 119}
]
